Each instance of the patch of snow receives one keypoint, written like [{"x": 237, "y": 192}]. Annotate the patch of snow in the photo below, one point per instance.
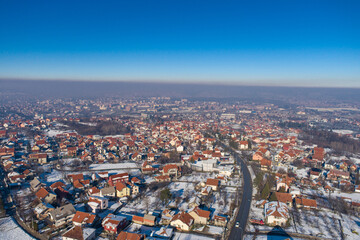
[
  {"x": 110, "y": 166},
  {"x": 188, "y": 236},
  {"x": 9, "y": 230}
]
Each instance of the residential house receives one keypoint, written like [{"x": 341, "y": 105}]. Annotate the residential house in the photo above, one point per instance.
[
  {"x": 94, "y": 191},
  {"x": 41, "y": 158},
  {"x": 122, "y": 190},
  {"x": 182, "y": 221},
  {"x": 276, "y": 213},
  {"x": 79, "y": 233},
  {"x": 219, "y": 220},
  {"x": 171, "y": 170},
  {"x": 97, "y": 203},
  {"x": 305, "y": 203},
  {"x": 113, "y": 223},
  {"x": 265, "y": 164},
  {"x": 42, "y": 210},
  {"x": 284, "y": 198},
  {"x": 162, "y": 178},
  {"x": 121, "y": 177},
  {"x": 166, "y": 216},
  {"x": 129, "y": 236},
  {"x": 334, "y": 174},
  {"x": 108, "y": 192},
  {"x": 243, "y": 144},
  {"x": 200, "y": 216},
  {"x": 35, "y": 184},
  {"x": 46, "y": 196},
  {"x": 83, "y": 219},
  {"x": 146, "y": 219},
  {"x": 213, "y": 183},
  {"x": 62, "y": 215}
]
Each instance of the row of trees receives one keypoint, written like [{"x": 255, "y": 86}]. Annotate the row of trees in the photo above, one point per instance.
[
  {"x": 101, "y": 128},
  {"x": 264, "y": 183},
  {"x": 329, "y": 139}
]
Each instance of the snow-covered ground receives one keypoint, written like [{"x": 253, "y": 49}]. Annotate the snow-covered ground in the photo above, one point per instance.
[
  {"x": 320, "y": 192},
  {"x": 188, "y": 236},
  {"x": 110, "y": 166},
  {"x": 343, "y": 132},
  {"x": 322, "y": 223},
  {"x": 198, "y": 177},
  {"x": 9, "y": 230},
  {"x": 54, "y": 176},
  {"x": 301, "y": 172},
  {"x": 54, "y": 132},
  {"x": 215, "y": 230},
  {"x": 265, "y": 237}
]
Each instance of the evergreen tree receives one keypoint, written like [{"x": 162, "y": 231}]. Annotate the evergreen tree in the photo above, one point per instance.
[
  {"x": 265, "y": 192},
  {"x": 273, "y": 197}
]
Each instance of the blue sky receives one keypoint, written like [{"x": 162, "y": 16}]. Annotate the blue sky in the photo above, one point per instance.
[{"x": 289, "y": 42}]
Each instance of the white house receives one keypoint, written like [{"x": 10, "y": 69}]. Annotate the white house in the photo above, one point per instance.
[{"x": 276, "y": 213}]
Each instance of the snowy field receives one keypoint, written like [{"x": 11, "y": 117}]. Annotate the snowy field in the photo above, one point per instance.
[
  {"x": 316, "y": 223},
  {"x": 343, "y": 131},
  {"x": 110, "y": 166},
  {"x": 53, "y": 132},
  {"x": 215, "y": 230},
  {"x": 355, "y": 197},
  {"x": 9, "y": 230},
  {"x": 197, "y": 177}
]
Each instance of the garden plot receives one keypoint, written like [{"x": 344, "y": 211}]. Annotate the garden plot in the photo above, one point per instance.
[
  {"x": 141, "y": 229},
  {"x": 214, "y": 230},
  {"x": 197, "y": 177},
  {"x": 222, "y": 201},
  {"x": 55, "y": 176},
  {"x": 326, "y": 224}
]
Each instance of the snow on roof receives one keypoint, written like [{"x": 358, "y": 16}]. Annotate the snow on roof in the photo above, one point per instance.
[{"x": 277, "y": 209}]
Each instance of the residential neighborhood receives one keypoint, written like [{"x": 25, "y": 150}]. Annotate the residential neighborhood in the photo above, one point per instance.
[{"x": 167, "y": 176}]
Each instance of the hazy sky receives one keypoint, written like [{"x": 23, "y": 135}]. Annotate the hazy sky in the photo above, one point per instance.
[{"x": 289, "y": 42}]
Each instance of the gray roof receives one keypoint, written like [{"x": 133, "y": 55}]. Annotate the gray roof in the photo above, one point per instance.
[
  {"x": 34, "y": 183},
  {"x": 62, "y": 212},
  {"x": 107, "y": 190}
]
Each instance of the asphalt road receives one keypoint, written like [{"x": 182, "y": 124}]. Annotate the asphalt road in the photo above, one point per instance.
[{"x": 243, "y": 214}]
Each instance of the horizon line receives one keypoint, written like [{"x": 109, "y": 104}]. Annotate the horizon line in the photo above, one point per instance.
[{"x": 171, "y": 82}]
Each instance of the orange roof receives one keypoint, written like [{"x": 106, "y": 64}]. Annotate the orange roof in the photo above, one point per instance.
[
  {"x": 137, "y": 218},
  {"x": 283, "y": 197},
  {"x": 83, "y": 217},
  {"x": 306, "y": 202},
  {"x": 42, "y": 193},
  {"x": 74, "y": 233},
  {"x": 202, "y": 213},
  {"x": 184, "y": 217},
  {"x": 57, "y": 184},
  {"x": 167, "y": 167},
  {"x": 129, "y": 236},
  {"x": 212, "y": 182},
  {"x": 120, "y": 186}
]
